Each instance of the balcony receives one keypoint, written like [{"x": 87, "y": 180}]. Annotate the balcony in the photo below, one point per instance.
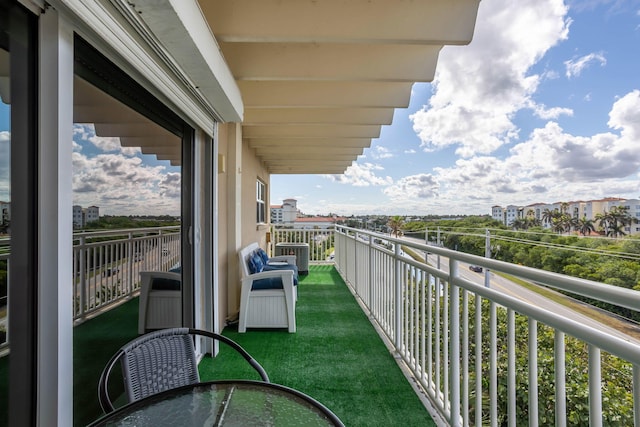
[
  {"x": 541, "y": 364},
  {"x": 335, "y": 356}
]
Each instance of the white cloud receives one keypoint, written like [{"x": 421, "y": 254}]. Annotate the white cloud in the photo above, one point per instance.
[
  {"x": 410, "y": 151},
  {"x": 541, "y": 111},
  {"x": 575, "y": 66},
  {"x": 5, "y": 135},
  {"x": 123, "y": 185},
  {"x": 86, "y": 132},
  {"x": 380, "y": 152},
  {"x": 361, "y": 175},
  {"x": 421, "y": 186},
  {"x": 536, "y": 170},
  {"x": 479, "y": 88},
  {"x": 625, "y": 115}
]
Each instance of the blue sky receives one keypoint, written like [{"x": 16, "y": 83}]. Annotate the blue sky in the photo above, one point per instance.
[{"x": 542, "y": 106}]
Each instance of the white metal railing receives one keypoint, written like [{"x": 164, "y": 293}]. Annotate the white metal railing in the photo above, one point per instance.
[
  {"x": 509, "y": 362},
  {"x": 107, "y": 264},
  {"x": 4, "y": 288},
  {"x": 320, "y": 240},
  {"x": 106, "y": 267}
]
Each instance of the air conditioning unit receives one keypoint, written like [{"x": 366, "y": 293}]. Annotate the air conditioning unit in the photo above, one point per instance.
[{"x": 300, "y": 250}]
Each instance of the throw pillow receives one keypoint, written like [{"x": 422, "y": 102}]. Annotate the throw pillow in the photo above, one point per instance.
[{"x": 263, "y": 255}]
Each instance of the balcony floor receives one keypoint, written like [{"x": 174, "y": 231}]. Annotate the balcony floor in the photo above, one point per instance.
[{"x": 335, "y": 356}]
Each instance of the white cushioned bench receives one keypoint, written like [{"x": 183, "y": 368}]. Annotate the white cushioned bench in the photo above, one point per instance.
[{"x": 268, "y": 296}]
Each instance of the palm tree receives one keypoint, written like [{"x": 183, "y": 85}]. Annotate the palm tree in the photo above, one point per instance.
[
  {"x": 395, "y": 224},
  {"x": 604, "y": 221},
  {"x": 531, "y": 220},
  {"x": 620, "y": 218},
  {"x": 519, "y": 224},
  {"x": 585, "y": 226},
  {"x": 557, "y": 224},
  {"x": 547, "y": 216},
  {"x": 615, "y": 221}
]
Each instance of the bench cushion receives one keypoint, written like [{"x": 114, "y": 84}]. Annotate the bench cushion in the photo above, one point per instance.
[
  {"x": 270, "y": 283},
  {"x": 279, "y": 266},
  {"x": 257, "y": 262}
]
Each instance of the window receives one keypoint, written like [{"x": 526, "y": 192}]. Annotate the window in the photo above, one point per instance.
[{"x": 261, "y": 205}]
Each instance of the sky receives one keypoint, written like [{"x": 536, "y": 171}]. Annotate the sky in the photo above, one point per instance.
[{"x": 542, "y": 106}]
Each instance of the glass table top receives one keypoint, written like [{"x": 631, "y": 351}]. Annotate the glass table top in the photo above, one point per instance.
[{"x": 224, "y": 403}]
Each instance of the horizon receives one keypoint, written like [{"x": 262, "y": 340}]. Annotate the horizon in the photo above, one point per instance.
[{"x": 515, "y": 117}]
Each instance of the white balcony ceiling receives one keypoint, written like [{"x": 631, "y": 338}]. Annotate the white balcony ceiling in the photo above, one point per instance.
[{"x": 317, "y": 78}]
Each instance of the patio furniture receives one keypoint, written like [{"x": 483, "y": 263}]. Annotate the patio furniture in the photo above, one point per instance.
[
  {"x": 160, "y": 361},
  {"x": 300, "y": 250},
  {"x": 227, "y": 402},
  {"x": 160, "y": 304},
  {"x": 268, "y": 294}
]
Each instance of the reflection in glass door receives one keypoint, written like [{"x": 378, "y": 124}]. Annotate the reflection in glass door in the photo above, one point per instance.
[
  {"x": 5, "y": 190},
  {"x": 5, "y": 218},
  {"x": 18, "y": 128}
]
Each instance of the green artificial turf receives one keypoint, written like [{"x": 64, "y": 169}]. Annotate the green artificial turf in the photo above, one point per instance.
[
  {"x": 335, "y": 357},
  {"x": 94, "y": 342},
  {"x": 4, "y": 387}
]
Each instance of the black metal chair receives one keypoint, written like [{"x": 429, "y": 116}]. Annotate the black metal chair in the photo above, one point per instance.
[{"x": 160, "y": 361}]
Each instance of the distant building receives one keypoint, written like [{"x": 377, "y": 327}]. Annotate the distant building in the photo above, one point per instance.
[
  {"x": 287, "y": 212},
  {"x": 92, "y": 213},
  {"x": 633, "y": 206},
  {"x": 315, "y": 222},
  {"x": 576, "y": 209},
  {"x": 83, "y": 216},
  {"x": 5, "y": 212}
]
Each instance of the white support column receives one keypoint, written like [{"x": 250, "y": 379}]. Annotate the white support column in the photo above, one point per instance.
[
  {"x": 55, "y": 207},
  {"x": 212, "y": 233},
  {"x": 205, "y": 246},
  {"x": 234, "y": 211},
  {"x": 198, "y": 200}
]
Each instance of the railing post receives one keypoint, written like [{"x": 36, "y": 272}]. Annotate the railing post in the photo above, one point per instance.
[
  {"x": 398, "y": 299},
  {"x": 454, "y": 345},
  {"x": 636, "y": 395},
  {"x": 131, "y": 256},
  {"x": 533, "y": 373},
  {"x": 560, "y": 377},
  {"x": 370, "y": 283},
  {"x": 426, "y": 242},
  {"x": 487, "y": 254},
  {"x": 595, "y": 387},
  {"x": 355, "y": 261},
  {"x": 82, "y": 276}
]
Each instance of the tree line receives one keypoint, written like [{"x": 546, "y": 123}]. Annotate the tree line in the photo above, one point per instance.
[
  {"x": 614, "y": 261},
  {"x": 610, "y": 223}
]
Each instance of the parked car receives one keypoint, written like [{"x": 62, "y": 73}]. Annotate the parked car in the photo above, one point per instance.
[{"x": 475, "y": 268}]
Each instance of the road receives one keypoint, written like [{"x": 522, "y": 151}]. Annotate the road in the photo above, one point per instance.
[{"x": 515, "y": 290}]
